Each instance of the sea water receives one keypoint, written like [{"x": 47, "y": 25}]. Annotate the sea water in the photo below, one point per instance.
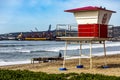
[{"x": 21, "y": 52}]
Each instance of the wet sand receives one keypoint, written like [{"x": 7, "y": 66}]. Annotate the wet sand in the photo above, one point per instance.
[{"x": 113, "y": 61}]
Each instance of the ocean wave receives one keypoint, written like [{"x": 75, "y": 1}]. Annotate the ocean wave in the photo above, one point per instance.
[
  {"x": 24, "y": 51},
  {"x": 28, "y": 43},
  {"x": 4, "y": 63},
  {"x": 107, "y": 53},
  {"x": 55, "y": 48},
  {"x": 15, "y": 45},
  {"x": 72, "y": 47}
]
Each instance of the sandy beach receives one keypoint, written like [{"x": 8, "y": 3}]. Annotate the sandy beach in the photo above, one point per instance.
[{"x": 113, "y": 61}]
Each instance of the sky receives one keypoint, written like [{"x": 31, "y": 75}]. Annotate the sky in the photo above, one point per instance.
[{"x": 26, "y": 15}]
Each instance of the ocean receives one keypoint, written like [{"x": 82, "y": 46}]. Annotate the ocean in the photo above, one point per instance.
[{"x": 21, "y": 52}]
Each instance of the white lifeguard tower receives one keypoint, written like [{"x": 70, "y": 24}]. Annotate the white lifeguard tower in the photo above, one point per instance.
[{"x": 92, "y": 29}]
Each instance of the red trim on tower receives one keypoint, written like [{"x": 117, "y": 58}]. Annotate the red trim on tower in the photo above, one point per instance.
[
  {"x": 88, "y": 8},
  {"x": 93, "y": 30}
]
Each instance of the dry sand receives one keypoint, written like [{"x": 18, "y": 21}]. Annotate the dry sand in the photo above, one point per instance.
[{"x": 113, "y": 62}]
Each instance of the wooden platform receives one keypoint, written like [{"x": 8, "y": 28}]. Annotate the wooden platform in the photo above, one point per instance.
[
  {"x": 45, "y": 59},
  {"x": 82, "y": 38}
]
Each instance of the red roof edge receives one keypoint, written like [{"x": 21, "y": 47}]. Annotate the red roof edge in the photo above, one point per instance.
[{"x": 88, "y": 8}]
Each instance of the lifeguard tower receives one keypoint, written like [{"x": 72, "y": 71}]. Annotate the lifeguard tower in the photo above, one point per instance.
[{"x": 92, "y": 29}]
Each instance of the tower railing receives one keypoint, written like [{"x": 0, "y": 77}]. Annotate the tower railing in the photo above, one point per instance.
[
  {"x": 70, "y": 30},
  {"x": 66, "y": 30}
]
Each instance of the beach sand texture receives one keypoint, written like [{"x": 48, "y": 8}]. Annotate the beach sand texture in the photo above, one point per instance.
[{"x": 113, "y": 62}]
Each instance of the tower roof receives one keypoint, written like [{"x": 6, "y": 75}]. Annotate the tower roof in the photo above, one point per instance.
[{"x": 88, "y": 8}]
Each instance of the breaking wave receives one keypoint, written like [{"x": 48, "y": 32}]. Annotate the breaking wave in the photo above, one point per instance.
[
  {"x": 22, "y": 51},
  {"x": 56, "y": 48}
]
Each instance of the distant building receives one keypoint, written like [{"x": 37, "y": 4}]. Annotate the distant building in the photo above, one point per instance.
[{"x": 115, "y": 33}]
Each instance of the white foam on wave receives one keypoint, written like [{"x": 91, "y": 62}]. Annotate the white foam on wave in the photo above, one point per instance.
[
  {"x": 15, "y": 51},
  {"x": 57, "y": 48},
  {"x": 24, "y": 51},
  {"x": 74, "y": 47},
  {"x": 3, "y": 63},
  {"x": 107, "y": 53}
]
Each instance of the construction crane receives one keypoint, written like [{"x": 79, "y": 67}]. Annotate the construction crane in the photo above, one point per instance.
[
  {"x": 49, "y": 29},
  {"x": 36, "y": 29}
]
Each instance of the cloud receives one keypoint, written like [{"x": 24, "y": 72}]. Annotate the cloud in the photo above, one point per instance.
[{"x": 22, "y": 13}]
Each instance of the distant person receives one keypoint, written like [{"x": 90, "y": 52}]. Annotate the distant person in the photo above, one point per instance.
[{"x": 60, "y": 54}]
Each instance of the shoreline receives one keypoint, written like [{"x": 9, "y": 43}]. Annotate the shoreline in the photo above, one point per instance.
[
  {"x": 29, "y": 60},
  {"x": 113, "y": 61}
]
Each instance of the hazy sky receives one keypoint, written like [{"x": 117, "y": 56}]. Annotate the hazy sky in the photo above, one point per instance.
[{"x": 25, "y": 15}]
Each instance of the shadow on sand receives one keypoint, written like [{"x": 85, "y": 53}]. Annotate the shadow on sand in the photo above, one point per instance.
[{"x": 114, "y": 65}]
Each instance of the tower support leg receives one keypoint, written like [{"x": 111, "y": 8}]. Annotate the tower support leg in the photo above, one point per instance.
[
  {"x": 90, "y": 54},
  {"x": 65, "y": 52}
]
